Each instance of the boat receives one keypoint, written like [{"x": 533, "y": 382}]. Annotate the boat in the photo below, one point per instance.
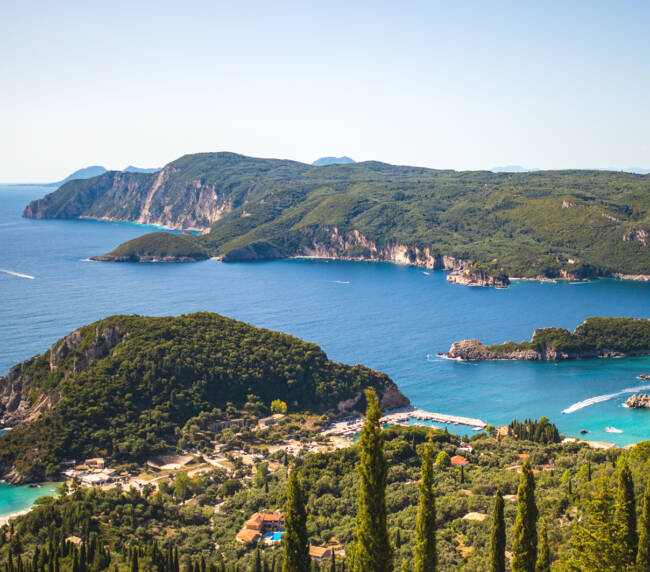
[{"x": 613, "y": 430}]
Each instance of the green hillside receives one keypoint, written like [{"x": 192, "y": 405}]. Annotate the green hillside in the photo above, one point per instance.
[
  {"x": 157, "y": 245},
  {"x": 620, "y": 335},
  {"x": 572, "y": 224},
  {"x": 122, "y": 387}
]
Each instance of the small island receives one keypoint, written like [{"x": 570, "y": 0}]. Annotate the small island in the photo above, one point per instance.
[
  {"x": 157, "y": 247},
  {"x": 642, "y": 400},
  {"x": 595, "y": 337}
]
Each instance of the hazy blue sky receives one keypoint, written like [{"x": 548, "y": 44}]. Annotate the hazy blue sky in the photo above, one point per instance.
[{"x": 456, "y": 84}]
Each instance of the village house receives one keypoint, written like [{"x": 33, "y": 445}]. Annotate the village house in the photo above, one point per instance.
[
  {"x": 319, "y": 553},
  {"x": 97, "y": 463},
  {"x": 268, "y": 421},
  {"x": 258, "y": 525},
  {"x": 457, "y": 460}
]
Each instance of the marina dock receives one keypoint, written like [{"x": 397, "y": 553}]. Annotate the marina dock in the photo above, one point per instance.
[{"x": 350, "y": 426}]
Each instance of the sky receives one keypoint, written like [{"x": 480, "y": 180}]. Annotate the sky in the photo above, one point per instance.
[{"x": 465, "y": 84}]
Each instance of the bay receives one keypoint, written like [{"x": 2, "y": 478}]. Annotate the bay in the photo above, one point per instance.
[{"x": 392, "y": 318}]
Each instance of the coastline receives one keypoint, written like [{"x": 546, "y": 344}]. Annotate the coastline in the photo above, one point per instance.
[
  {"x": 18, "y": 500},
  {"x": 136, "y": 223},
  {"x": 5, "y": 519}
]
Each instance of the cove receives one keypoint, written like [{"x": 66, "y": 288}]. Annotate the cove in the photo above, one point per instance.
[{"x": 392, "y": 318}]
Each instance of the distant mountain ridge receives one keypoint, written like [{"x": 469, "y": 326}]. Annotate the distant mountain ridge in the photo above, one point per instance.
[
  {"x": 323, "y": 161},
  {"x": 132, "y": 169},
  {"x": 85, "y": 173},
  {"x": 570, "y": 224},
  {"x": 512, "y": 169},
  {"x": 96, "y": 170}
]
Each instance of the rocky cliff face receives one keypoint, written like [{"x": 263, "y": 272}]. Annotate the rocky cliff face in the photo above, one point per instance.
[
  {"x": 473, "y": 350},
  {"x": 478, "y": 278},
  {"x": 330, "y": 242},
  {"x": 22, "y": 401},
  {"x": 390, "y": 397},
  {"x": 163, "y": 198},
  {"x": 145, "y": 258}
]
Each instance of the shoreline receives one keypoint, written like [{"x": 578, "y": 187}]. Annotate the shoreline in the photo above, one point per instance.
[{"x": 6, "y": 518}]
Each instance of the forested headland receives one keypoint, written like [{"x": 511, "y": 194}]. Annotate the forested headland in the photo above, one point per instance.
[
  {"x": 552, "y": 224},
  {"x": 595, "y": 337},
  {"x": 125, "y": 386}
]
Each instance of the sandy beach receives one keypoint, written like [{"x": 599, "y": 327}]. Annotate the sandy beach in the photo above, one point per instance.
[{"x": 7, "y": 517}]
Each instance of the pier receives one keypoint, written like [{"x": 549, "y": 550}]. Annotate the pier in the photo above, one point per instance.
[{"x": 351, "y": 426}]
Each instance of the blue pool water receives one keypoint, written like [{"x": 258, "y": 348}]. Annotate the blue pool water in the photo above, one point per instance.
[
  {"x": 388, "y": 317},
  {"x": 274, "y": 536}
]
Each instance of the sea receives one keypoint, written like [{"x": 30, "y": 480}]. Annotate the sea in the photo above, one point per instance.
[{"x": 389, "y": 317}]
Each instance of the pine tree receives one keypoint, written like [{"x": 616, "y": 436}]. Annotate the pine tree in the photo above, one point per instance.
[
  {"x": 425, "y": 559},
  {"x": 524, "y": 546},
  {"x": 543, "y": 563},
  {"x": 372, "y": 549},
  {"x": 643, "y": 553},
  {"x": 625, "y": 517},
  {"x": 498, "y": 536},
  {"x": 296, "y": 542}
]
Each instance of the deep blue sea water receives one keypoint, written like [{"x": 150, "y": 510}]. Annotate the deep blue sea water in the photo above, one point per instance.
[{"x": 388, "y": 317}]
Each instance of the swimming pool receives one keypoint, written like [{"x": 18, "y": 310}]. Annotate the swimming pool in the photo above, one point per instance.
[{"x": 271, "y": 537}]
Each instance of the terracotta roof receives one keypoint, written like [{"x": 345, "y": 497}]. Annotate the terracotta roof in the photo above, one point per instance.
[
  {"x": 319, "y": 551},
  {"x": 458, "y": 460},
  {"x": 248, "y": 535},
  {"x": 255, "y": 521},
  {"x": 271, "y": 517}
]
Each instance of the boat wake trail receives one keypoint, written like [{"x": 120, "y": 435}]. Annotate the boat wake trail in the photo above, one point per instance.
[
  {"x": 600, "y": 398},
  {"x": 433, "y": 357},
  {"x": 18, "y": 274}
]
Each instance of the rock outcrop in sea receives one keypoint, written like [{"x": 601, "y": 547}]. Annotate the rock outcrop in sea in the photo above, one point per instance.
[{"x": 638, "y": 401}]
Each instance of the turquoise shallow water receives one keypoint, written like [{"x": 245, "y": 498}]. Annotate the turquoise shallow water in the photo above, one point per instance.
[
  {"x": 388, "y": 317},
  {"x": 15, "y": 499}
]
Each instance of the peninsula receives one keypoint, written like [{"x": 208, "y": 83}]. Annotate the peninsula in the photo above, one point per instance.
[
  {"x": 120, "y": 388},
  {"x": 484, "y": 227},
  {"x": 595, "y": 337},
  {"x": 157, "y": 247}
]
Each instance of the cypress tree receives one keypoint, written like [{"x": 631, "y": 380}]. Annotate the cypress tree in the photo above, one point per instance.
[
  {"x": 643, "y": 553},
  {"x": 498, "y": 536},
  {"x": 296, "y": 542},
  {"x": 333, "y": 562},
  {"x": 625, "y": 517},
  {"x": 594, "y": 544},
  {"x": 257, "y": 563},
  {"x": 425, "y": 559},
  {"x": 372, "y": 549},
  {"x": 543, "y": 563},
  {"x": 524, "y": 546}
]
